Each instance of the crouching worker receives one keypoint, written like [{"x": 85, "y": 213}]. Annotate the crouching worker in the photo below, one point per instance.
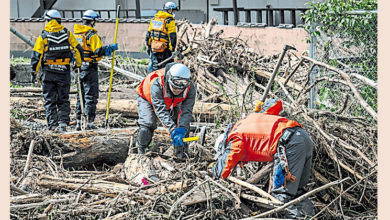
[
  {"x": 265, "y": 136},
  {"x": 167, "y": 95},
  {"x": 88, "y": 38}
]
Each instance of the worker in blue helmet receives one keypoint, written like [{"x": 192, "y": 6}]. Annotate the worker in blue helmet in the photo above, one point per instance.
[{"x": 87, "y": 36}]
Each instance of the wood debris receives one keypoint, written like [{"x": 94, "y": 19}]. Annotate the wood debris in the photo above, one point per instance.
[{"x": 114, "y": 183}]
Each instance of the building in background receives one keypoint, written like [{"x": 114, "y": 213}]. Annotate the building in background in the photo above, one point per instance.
[{"x": 268, "y": 12}]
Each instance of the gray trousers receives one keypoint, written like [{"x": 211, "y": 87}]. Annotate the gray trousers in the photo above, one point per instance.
[
  {"x": 147, "y": 122},
  {"x": 299, "y": 152}
]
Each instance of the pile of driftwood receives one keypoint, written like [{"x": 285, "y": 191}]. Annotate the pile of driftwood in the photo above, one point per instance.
[{"x": 95, "y": 174}]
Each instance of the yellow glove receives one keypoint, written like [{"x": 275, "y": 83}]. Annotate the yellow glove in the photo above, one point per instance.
[
  {"x": 211, "y": 165},
  {"x": 259, "y": 106}
]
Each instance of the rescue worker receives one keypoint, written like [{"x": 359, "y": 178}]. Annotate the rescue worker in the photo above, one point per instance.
[
  {"x": 161, "y": 36},
  {"x": 54, "y": 49},
  {"x": 264, "y": 137},
  {"x": 166, "y": 94},
  {"x": 93, "y": 51}
]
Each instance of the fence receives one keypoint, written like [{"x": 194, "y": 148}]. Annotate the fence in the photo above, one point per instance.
[{"x": 352, "y": 48}]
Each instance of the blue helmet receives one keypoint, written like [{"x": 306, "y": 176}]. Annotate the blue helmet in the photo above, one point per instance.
[
  {"x": 52, "y": 14},
  {"x": 170, "y": 5},
  {"x": 90, "y": 15}
]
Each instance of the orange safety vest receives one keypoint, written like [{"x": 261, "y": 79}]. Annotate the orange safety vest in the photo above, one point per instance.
[
  {"x": 144, "y": 89},
  {"x": 255, "y": 138}
]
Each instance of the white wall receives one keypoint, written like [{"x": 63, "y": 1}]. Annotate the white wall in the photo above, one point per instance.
[{"x": 84, "y": 4}]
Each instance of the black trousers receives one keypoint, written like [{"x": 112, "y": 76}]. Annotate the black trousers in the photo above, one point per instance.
[
  {"x": 55, "y": 88},
  {"x": 157, "y": 58},
  {"x": 89, "y": 82}
]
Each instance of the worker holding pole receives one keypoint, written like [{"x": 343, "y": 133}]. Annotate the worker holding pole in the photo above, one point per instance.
[
  {"x": 264, "y": 136},
  {"x": 88, "y": 38}
]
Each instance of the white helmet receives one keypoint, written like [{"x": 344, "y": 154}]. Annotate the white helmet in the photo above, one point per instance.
[
  {"x": 90, "y": 15},
  {"x": 170, "y": 5},
  {"x": 52, "y": 14},
  {"x": 179, "y": 76}
]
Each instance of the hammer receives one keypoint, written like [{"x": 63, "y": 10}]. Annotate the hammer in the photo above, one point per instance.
[
  {"x": 275, "y": 72},
  {"x": 201, "y": 136}
]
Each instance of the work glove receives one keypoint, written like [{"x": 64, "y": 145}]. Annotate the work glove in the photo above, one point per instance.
[
  {"x": 33, "y": 77},
  {"x": 108, "y": 49},
  {"x": 148, "y": 50},
  {"x": 177, "y": 136},
  {"x": 259, "y": 106},
  {"x": 278, "y": 177}
]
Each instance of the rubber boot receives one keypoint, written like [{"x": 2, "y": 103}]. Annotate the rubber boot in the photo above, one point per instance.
[
  {"x": 62, "y": 127},
  {"x": 179, "y": 152},
  {"x": 140, "y": 149},
  {"x": 90, "y": 126}
]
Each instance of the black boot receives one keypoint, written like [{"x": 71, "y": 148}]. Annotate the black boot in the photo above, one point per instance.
[
  {"x": 90, "y": 126},
  {"x": 140, "y": 149},
  {"x": 78, "y": 125},
  {"x": 179, "y": 152}
]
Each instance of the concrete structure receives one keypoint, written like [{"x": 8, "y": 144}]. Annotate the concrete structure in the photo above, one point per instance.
[{"x": 194, "y": 11}]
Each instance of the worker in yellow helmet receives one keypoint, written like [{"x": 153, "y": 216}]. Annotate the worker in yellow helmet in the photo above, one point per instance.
[
  {"x": 161, "y": 36},
  {"x": 87, "y": 36},
  {"x": 54, "y": 49}
]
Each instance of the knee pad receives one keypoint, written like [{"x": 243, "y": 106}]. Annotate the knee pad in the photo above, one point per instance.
[{"x": 144, "y": 136}]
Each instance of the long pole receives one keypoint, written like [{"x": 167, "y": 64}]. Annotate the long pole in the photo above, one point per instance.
[
  {"x": 112, "y": 66},
  {"x": 21, "y": 36},
  {"x": 275, "y": 72}
]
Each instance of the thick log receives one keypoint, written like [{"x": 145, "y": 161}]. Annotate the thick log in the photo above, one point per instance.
[
  {"x": 128, "y": 108},
  {"x": 96, "y": 147}
]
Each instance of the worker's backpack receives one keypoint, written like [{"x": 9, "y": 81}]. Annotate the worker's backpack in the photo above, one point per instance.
[
  {"x": 159, "y": 34},
  {"x": 57, "y": 51},
  {"x": 84, "y": 41}
]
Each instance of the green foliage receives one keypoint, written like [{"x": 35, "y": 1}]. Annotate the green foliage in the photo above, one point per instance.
[
  {"x": 11, "y": 85},
  {"x": 18, "y": 113},
  {"x": 143, "y": 61},
  {"x": 143, "y": 48},
  {"x": 20, "y": 60},
  {"x": 343, "y": 35}
]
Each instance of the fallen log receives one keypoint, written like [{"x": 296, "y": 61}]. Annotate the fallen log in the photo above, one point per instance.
[
  {"x": 96, "y": 147},
  {"x": 93, "y": 186},
  {"x": 128, "y": 108}
]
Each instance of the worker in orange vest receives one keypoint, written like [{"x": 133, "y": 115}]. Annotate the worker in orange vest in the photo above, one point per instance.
[
  {"x": 167, "y": 95},
  {"x": 265, "y": 136}
]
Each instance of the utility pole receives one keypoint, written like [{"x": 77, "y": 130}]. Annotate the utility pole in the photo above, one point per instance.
[
  {"x": 137, "y": 9},
  {"x": 235, "y": 12}
]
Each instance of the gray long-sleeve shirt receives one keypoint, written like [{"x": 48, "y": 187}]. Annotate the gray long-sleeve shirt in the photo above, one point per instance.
[{"x": 160, "y": 107}]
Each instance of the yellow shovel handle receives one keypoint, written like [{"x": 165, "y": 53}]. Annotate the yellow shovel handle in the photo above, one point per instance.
[{"x": 191, "y": 139}]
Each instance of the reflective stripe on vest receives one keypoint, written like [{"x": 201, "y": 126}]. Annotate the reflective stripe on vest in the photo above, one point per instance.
[
  {"x": 57, "y": 47},
  {"x": 144, "y": 89}
]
